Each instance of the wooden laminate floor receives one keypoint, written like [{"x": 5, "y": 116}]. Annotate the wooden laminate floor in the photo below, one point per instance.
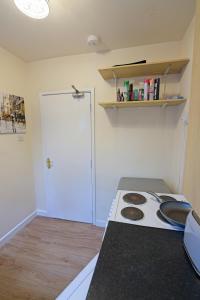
[{"x": 44, "y": 257}]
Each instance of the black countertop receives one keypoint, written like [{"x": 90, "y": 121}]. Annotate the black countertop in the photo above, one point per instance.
[{"x": 143, "y": 263}]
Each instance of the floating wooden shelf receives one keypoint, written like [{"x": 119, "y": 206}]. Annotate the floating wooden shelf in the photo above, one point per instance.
[
  {"x": 145, "y": 103},
  {"x": 153, "y": 68}
]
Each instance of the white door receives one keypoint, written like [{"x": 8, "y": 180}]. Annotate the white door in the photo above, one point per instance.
[{"x": 67, "y": 144}]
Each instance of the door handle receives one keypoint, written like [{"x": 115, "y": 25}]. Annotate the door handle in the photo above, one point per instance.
[{"x": 49, "y": 163}]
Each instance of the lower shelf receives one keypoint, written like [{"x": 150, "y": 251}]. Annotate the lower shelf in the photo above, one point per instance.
[{"x": 144, "y": 103}]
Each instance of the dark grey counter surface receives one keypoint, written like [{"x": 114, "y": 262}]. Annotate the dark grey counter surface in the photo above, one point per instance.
[
  {"x": 143, "y": 263},
  {"x": 143, "y": 185}
]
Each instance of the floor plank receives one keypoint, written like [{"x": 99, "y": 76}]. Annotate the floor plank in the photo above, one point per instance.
[{"x": 44, "y": 257}]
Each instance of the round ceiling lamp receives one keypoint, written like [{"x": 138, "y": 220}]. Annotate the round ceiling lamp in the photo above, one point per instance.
[{"x": 37, "y": 9}]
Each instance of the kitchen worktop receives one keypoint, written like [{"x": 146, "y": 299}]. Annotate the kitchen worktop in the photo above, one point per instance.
[
  {"x": 143, "y": 185},
  {"x": 143, "y": 263}
]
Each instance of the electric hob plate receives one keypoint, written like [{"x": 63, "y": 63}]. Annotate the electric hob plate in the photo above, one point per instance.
[
  {"x": 166, "y": 198},
  {"x": 134, "y": 198},
  {"x": 132, "y": 213}
]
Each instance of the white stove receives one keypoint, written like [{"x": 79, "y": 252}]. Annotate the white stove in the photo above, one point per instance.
[{"x": 149, "y": 210}]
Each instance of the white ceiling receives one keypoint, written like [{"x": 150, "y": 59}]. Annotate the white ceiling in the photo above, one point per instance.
[{"x": 118, "y": 23}]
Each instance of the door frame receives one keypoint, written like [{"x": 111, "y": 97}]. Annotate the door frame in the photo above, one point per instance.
[{"x": 92, "y": 122}]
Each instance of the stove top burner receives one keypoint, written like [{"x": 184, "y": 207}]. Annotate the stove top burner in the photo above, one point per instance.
[
  {"x": 132, "y": 213},
  {"x": 160, "y": 216},
  {"x": 167, "y": 198},
  {"x": 134, "y": 198}
]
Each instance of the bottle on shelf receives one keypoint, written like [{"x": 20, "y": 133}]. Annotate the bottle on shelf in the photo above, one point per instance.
[
  {"x": 131, "y": 96},
  {"x": 156, "y": 89},
  {"x": 151, "y": 89},
  {"x": 118, "y": 95},
  {"x": 126, "y": 93},
  {"x": 136, "y": 94},
  {"x": 146, "y": 89},
  {"x": 141, "y": 91},
  {"x": 141, "y": 94}
]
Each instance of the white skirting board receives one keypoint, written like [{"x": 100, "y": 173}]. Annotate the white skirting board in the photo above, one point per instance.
[
  {"x": 42, "y": 213},
  {"x": 18, "y": 227},
  {"x": 28, "y": 219},
  {"x": 101, "y": 223}
]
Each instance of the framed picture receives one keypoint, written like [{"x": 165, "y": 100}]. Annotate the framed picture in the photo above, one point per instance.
[{"x": 12, "y": 114}]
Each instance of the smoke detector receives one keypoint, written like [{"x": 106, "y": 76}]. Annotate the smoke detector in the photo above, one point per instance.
[{"x": 92, "y": 40}]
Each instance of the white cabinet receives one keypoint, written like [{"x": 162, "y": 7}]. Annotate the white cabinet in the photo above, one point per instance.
[
  {"x": 78, "y": 288},
  {"x": 113, "y": 210},
  {"x": 81, "y": 292}
]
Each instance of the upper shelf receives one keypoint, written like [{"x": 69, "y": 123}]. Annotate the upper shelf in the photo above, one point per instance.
[{"x": 153, "y": 68}]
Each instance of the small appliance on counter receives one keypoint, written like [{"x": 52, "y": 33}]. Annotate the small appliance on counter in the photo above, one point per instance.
[{"x": 192, "y": 240}]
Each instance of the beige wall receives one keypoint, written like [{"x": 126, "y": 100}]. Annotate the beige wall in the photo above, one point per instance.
[
  {"x": 177, "y": 148},
  {"x": 129, "y": 142},
  {"x": 16, "y": 176},
  {"x": 144, "y": 142},
  {"x": 192, "y": 165}
]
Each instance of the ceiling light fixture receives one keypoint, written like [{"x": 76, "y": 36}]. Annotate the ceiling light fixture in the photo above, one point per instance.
[{"x": 37, "y": 9}]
